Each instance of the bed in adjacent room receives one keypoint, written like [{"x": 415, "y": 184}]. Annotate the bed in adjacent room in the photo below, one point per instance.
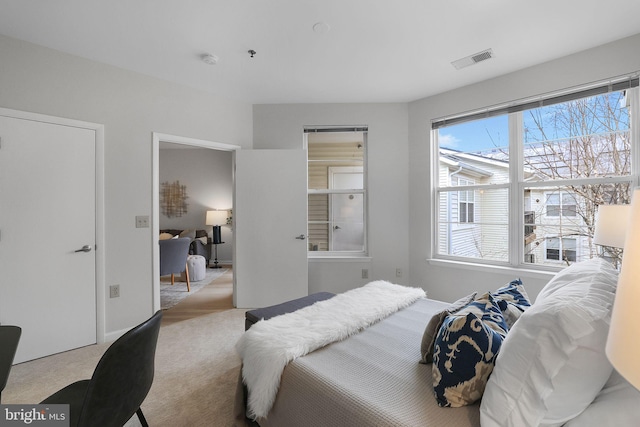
[{"x": 487, "y": 359}]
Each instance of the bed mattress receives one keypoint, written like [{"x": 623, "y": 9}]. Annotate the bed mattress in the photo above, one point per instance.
[{"x": 373, "y": 378}]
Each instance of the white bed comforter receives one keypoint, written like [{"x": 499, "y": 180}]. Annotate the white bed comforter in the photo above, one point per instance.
[{"x": 269, "y": 345}]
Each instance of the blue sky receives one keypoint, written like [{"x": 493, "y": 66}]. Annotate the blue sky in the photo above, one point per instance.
[
  {"x": 476, "y": 135},
  {"x": 493, "y": 132}
]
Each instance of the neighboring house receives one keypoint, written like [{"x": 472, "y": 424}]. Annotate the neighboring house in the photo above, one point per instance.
[{"x": 558, "y": 221}]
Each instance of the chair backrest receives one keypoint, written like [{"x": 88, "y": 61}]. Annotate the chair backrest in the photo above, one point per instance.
[
  {"x": 9, "y": 339},
  {"x": 123, "y": 377},
  {"x": 173, "y": 255}
]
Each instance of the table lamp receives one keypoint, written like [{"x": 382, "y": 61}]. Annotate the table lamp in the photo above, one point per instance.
[
  {"x": 611, "y": 225},
  {"x": 216, "y": 218},
  {"x": 623, "y": 346}
]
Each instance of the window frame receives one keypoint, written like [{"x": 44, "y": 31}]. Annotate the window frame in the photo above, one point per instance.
[
  {"x": 364, "y": 253},
  {"x": 516, "y": 185}
]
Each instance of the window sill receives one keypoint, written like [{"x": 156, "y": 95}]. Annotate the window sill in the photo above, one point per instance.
[
  {"x": 529, "y": 272},
  {"x": 338, "y": 258}
]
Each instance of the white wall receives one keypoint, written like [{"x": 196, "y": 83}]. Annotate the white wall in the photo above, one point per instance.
[
  {"x": 450, "y": 282},
  {"x": 208, "y": 177},
  {"x": 281, "y": 126},
  {"x": 131, "y": 107}
]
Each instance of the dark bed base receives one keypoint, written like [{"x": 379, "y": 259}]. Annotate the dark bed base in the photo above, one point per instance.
[{"x": 265, "y": 313}]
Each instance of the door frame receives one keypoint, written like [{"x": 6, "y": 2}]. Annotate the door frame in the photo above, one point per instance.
[
  {"x": 337, "y": 170},
  {"x": 157, "y": 138},
  {"x": 100, "y": 205}
]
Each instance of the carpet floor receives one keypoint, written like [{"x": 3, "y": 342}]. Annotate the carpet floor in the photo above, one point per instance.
[
  {"x": 172, "y": 295},
  {"x": 196, "y": 367}
]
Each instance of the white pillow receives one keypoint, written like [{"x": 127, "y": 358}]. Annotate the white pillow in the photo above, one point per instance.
[
  {"x": 552, "y": 363},
  {"x": 617, "y": 404}
]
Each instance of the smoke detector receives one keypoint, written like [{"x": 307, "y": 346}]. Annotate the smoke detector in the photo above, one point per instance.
[
  {"x": 473, "y": 59},
  {"x": 210, "y": 59}
]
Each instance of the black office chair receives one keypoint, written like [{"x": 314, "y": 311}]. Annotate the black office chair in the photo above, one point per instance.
[
  {"x": 119, "y": 384},
  {"x": 9, "y": 339}
]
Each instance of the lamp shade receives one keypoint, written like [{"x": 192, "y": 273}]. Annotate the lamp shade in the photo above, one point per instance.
[
  {"x": 611, "y": 225},
  {"x": 216, "y": 218},
  {"x": 623, "y": 345}
]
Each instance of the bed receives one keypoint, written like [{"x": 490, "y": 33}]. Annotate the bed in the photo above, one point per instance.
[{"x": 550, "y": 369}]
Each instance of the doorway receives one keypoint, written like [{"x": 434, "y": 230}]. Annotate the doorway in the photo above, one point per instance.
[{"x": 183, "y": 143}]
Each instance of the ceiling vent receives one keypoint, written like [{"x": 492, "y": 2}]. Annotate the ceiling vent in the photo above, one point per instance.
[{"x": 473, "y": 59}]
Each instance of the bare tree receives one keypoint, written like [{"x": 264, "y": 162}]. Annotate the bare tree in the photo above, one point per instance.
[{"x": 580, "y": 139}]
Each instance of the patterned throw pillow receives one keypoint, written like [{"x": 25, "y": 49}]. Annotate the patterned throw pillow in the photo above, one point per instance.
[
  {"x": 512, "y": 300},
  {"x": 486, "y": 308},
  {"x": 430, "y": 332},
  {"x": 464, "y": 356},
  {"x": 465, "y": 350}
]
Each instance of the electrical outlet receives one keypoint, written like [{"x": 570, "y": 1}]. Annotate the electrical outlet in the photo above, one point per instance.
[
  {"x": 142, "y": 221},
  {"x": 114, "y": 291},
  {"x": 365, "y": 273},
  {"x": 398, "y": 272}
]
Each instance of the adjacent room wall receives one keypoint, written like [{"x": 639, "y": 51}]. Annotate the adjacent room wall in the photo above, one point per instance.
[
  {"x": 280, "y": 126},
  {"x": 449, "y": 282},
  {"x": 208, "y": 177},
  {"x": 131, "y": 106}
]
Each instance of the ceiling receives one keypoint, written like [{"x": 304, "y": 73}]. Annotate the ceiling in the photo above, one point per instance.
[{"x": 369, "y": 51}]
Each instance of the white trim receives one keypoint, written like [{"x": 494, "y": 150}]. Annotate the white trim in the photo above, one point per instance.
[
  {"x": 100, "y": 204},
  {"x": 155, "y": 199},
  {"x": 492, "y": 268},
  {"x": 338, "y": 258}
]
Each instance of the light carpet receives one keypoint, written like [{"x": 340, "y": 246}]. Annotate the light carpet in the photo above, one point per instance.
[
  {"x": 196, "y": 371},
  {"x": 172, "y": 295}
]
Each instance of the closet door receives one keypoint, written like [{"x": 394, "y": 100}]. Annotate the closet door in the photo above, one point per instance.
[{"x": 47, "y": 235}]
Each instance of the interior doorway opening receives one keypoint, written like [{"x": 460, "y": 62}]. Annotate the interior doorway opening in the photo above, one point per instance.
[{"x": 198, "y": 196}]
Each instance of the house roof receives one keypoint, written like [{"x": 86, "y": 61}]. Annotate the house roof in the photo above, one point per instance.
[{"x": 324, "y": 51}]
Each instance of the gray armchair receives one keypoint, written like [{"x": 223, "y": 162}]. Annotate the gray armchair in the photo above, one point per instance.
[{"x": 173, "y": 258}]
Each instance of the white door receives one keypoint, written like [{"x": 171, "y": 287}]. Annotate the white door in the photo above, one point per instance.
[
  {"x": 347, "y": 209},
  {"x": 270, "y": 227},
  {"x": 47, "y": 215}
]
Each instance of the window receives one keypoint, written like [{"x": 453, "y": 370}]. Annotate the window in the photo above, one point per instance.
[
  {"x": 561, "y": 204},
  {"x": 533, "y": 175},
  {"x": 563, "y": 249},
  {"x": 466, "y": 200},
  {"x": 336, "y": 190}
]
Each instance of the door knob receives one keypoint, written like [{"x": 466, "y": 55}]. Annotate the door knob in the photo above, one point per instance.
[
  {"x": 301, "y": 237},
  {"x": 85, "y": 248}
]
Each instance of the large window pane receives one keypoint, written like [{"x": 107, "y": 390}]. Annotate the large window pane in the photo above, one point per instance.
[
  {"x": 585, "y": 138},
  {"x": 576, "y": 155},
  {"x": 476, "y": 151},
  {"x": 559, "y": 221},
  {"x": 480, "y": 231}
]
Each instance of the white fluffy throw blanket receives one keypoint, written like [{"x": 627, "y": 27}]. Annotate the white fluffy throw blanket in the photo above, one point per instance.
[{"x": 269, "y": 345}]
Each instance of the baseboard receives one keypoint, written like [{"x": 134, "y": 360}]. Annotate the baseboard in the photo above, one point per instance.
[{"x": 112, "y": 336}]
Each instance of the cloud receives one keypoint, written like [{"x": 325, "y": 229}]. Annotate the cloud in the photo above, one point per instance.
[{"x": 448, "y": 141}]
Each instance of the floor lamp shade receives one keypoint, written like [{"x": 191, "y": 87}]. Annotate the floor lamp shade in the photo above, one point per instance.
[{"x": 623, "y": 345}]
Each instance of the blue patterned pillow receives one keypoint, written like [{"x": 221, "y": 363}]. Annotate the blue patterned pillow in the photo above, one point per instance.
[
  {"x": 486, "y": 308},
  {"x": 465, "y": 351},
  {"x": 512, "y": 300}
]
